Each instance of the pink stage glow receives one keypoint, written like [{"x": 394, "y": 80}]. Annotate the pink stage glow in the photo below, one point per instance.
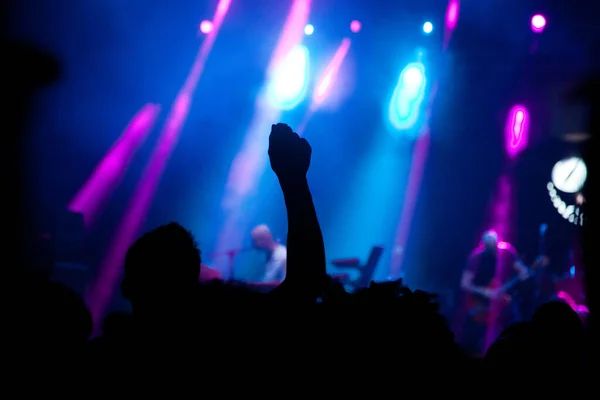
[
  {"x": 99, "y": 295},
  {"x": 325, "y": 83},
  {"x": 331, "y": 71},
  {"x": 502, "y": 220},
  {"x": 206, "y": 27},
  {"x": 538, "y": 23},
  {"x": 452, "y": 14},
  {"x": 517, "y": 130},
  {"x": 578, "y": 308},
  {"x": 355, "y": 26},
  {"x": 108, "y": 174}
]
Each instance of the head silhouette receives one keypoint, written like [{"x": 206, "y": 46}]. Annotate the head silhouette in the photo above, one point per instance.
[
  {"x": 53, "y": 319},
  {"x": 514, "y": 345},
  {"x": 561, "y": 333},
  {"x": 262, "y": 238},
  {"x": 489, "y": 240},
  {"x": 161, "y": 266}
]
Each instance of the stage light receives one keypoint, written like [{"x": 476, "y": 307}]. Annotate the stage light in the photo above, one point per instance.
[
  {"x": 569, "y": 175},
  {"x": 413, "y": 78},
  {"x": 571, "y": 212},
  {"x": 427, "y": 27},
  {"x": 309, "y": 29},
  {"x": 288, "y": 85},
  {"x": 516, "y": 130},
  {"x": 452, "y": 14},
  {"x": 206, "y": 27},
  {"x": 538, "y": 23},
  {"x": 407, "y": 98},
  {"x": 355, "y": 26}
]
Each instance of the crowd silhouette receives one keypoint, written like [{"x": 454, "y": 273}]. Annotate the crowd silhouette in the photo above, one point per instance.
[{"x": 182, "y": 327}]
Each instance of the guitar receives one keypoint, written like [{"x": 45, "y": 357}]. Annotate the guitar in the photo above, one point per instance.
[{"x": 479, "y": 306}]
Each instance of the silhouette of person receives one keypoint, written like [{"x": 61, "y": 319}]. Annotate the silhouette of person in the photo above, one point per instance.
[
  {"x": 276, "y": 253},
  {"x": 305, "y": 275},
  {"x": 490, "y": 266},
  {"x": 161, "y": 270}
]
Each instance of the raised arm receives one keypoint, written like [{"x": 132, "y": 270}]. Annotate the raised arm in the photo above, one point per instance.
[{"x": 306, "y": 266}]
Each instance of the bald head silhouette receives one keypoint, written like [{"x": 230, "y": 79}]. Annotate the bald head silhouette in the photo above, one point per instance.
[{"x": 262, "y": 238}]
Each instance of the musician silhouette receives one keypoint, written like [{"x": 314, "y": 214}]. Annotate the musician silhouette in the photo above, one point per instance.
[
  {"x": 490, "y": 268},
  {"x": 276, "y": 254}
]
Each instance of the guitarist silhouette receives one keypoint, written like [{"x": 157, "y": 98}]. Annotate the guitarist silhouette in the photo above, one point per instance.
[{"x": 492, "y": 270}]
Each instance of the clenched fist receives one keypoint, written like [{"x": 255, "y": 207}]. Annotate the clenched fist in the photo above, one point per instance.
[{"x": 289, "y": 153}]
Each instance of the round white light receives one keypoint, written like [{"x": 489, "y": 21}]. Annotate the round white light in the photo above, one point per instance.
[{"x": 569, "y": 175}]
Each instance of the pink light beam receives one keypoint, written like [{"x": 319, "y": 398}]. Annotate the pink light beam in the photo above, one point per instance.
[
  {"x": 452, "y": 14},
  {"x": 99, "y": 295},
  {"x": 325, "y": 83},
  {"x": 328, "y": 78},
  {"x": 502, "y": 221},
  {"x": 417, "y": 168},
  {"x": 250, "y": 161},
  {"x": 108, "y": 174},
  {"x": 293, "y": 32}
]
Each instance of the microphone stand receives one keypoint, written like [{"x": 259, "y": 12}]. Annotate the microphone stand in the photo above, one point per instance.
[{"x": 230, "y": 254}]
